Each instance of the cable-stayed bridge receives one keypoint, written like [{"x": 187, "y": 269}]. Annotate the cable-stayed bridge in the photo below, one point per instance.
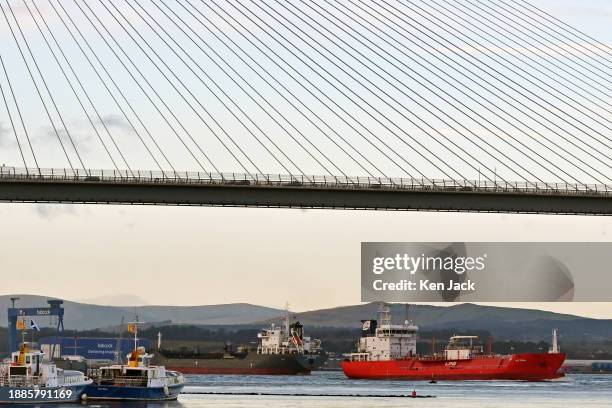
[{"x": 459, "y": 105}]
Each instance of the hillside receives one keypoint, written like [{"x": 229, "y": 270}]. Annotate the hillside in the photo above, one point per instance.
[
  {"x": 82, "y": 316},
  {"x": 503, "y": 323}
]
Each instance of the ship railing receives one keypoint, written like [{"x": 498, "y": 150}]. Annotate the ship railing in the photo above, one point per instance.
[
  {"x": 442, "y": 357},
  {"x": 125, "y": 381},
  {"x": 175, "y": 380},
  {"x": 72, "y": 379},
  {"x": 279, "y": 350},
  {"x": 357, "y": 356},
  {"x": 437, "y": 357},
  {"x": 476, "y": 349},
  {"x": 20, "y": 381}
]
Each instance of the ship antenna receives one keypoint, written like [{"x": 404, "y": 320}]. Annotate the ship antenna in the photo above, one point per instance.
[
  {"x": 287, "y": 317},
  {"x": 136, "y": 333},
  {"x": 119, "y": 341}
]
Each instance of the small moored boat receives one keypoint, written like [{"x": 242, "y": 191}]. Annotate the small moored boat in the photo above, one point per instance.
[
  {"x": 138, "y": 380},
  {"x": 26, "y": 378}
]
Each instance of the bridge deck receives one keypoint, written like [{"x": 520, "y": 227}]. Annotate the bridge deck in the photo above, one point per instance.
[{"x": 279, "y": 191}]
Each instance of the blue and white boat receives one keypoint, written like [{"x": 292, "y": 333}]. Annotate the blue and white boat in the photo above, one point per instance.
[
  {"x": 137, "y": 380},
  {"x": 27, "y": 378}
]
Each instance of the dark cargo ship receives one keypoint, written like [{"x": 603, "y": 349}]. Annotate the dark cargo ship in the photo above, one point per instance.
[{"x": 281, "y": 351}]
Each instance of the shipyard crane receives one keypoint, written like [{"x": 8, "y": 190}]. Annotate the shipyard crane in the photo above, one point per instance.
[{"x": 14, "y": 313}]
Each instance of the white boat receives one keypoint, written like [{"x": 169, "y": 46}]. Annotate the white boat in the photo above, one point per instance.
[
  {"x": 27, "y": 378},
  {"x": 137, "y": 380}
]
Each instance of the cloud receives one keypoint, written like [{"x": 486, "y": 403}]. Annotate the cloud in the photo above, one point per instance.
[
  {"x": 3, "y": 134},
  {"x": 50, "y": 211},
  {"x": 115, "y": 121}
]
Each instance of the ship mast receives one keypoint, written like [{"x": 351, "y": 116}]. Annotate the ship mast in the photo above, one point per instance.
[
  {"x": 133, "y": 326},
  {"x": 384, "y": 315},
  {"x": 555, "y": 343},
  {"x": 287, "y": 319},
  {"x": 119, "y": 342}
]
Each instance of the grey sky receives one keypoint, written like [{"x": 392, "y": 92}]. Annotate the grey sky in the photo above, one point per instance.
[{"x": 206, "y": 255}]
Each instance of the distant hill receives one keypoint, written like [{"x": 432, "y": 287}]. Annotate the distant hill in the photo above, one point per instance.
[
  {"x": 503, "y": 323},
  {"x": 83, "y": 316},
  {"x": 114, "y": 300},
  {"x": 431, "y": 316}
]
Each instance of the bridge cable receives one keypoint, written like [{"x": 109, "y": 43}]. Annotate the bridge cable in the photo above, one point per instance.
[
  {"x": 580, "y": 140},
  {"x": 421, "y": 82},
  {"x": 510, "y": 80},
  {"x": 13, "y": 128},
  {"x": 478, "y": 83},
  {"x": 78, "y": 98},
  {"x": 116, "y": 86},
  {"x": 177, "y": 44},
  {"x": 51, "y": 97},
  {"x": 179, "y": 92},
  {"x": 547, "y": 46},
  {"x": 466, "y": 107},
  {"x": 363, "y": 56},
  {"x": 253, "y": 89},
  {"x": 362, "y": 99},
  {"x": 25, "y": 129},
  {"x": 470, "y": 77},
  {"x": 35, "y": 83},
  {"x": 544, "y": 71},
  {"x": 558, "y": 61},
  {"x": 535, "y": 28},
  {"x": 564, "y": 26},
  {"x": 280, "y": 84},
  {"x": 391, "y": 97},
  {"x": 305, "y": 78},
  {"x": 122, "y": 63},
  {"x": 342, "y": 92}
]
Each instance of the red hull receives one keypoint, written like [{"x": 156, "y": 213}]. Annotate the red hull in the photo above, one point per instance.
[
  {"x": 525, "y": 367},
  {"x": 237, "y": 371}
]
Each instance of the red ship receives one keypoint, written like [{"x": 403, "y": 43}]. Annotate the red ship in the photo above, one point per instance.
[{"x": 388, "y": 351}]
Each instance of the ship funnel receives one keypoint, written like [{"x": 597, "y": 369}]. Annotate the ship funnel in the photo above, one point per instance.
[{"x": 554, "y": 349}]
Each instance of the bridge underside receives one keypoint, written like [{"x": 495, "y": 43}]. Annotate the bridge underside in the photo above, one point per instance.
[{"x": 231, "y": 195}]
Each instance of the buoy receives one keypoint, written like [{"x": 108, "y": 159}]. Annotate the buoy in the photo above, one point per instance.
[
  {"x": 413, "y": 394},
  {"x": 84, "y": 397}
]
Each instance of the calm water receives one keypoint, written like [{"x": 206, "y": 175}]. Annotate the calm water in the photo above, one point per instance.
[
  {"x": 583, "y": 391},
  {"x": 578, "y": 391}
]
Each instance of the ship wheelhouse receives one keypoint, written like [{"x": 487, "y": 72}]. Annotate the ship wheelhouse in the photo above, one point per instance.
[
  {"x": 137, "y": 373},
  {"x": 385, "y": 341},
  {"x": 289, "y": 339},
  {"x": 26, "y": 366}
]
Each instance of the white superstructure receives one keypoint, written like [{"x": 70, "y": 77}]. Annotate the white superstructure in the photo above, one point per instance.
[
  {"x": 139, "y": 372},
  {"x": 289, "y": 339},
  {"x": 383, "y": 341},
  {"x": 462, "y": 348},
  {"x": 27, "y": 368}
]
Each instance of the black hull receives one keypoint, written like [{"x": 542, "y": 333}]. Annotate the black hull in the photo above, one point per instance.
[{"x": 251, "y": 364}]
